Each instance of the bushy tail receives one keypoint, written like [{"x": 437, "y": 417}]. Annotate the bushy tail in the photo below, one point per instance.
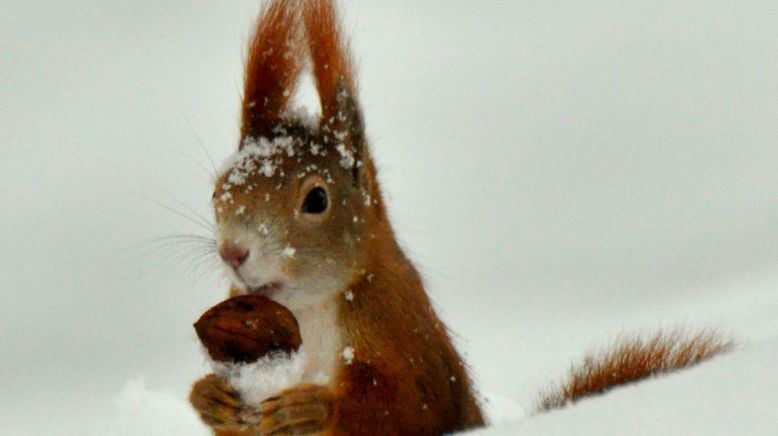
[{"x": 634, "y": 358}]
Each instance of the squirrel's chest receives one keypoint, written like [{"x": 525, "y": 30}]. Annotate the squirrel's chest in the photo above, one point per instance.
[{"x": 322, "y": 340}]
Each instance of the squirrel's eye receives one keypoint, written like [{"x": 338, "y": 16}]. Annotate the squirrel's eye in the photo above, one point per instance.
[{"x": 315, "y": 201}]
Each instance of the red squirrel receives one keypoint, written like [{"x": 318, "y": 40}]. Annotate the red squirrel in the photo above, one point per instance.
[{"x": 301, "y": 220}]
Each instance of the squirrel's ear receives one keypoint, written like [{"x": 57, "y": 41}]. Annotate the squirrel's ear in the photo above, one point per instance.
[
  {"x": 341, "y": 115},
  {"x": 272, "y": 67},
  {"x": 344, "y": 124}
]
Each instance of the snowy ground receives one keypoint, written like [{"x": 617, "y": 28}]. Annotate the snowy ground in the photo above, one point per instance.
[{"x": 560, "y": 172}]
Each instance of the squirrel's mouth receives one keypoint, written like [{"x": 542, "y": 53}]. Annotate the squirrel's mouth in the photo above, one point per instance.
[{"x": 267, "y": 289}]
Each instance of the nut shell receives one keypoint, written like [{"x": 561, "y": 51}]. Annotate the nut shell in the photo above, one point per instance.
[{"x": 246, "y": 328}]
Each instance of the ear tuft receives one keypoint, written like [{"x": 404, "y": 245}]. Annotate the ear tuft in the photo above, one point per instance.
[
  {"x": 332, "y": 69},
  {"x": 273, "y": 66},
  {"x": 329, "y": 55}
]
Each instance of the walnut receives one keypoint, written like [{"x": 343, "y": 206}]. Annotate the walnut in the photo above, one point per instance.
[{"x": 245, "y": 328}]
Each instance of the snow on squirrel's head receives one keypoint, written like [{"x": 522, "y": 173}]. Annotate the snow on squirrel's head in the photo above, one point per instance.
[{"x": 298, "y": 202}]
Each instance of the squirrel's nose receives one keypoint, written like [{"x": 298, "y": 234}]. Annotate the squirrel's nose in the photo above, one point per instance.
[{"x": 233, "y": 254}]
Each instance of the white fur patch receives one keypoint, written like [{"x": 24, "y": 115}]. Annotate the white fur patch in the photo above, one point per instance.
[{"x": 322, "y": 339}]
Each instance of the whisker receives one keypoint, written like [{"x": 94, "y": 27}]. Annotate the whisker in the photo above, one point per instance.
[
  {"x": 185, "y": 237},
  {"x": 173, "y": 244},
  {"x": 205, "y": 262},
  {"x": 199, "y": 221},
  {"x": 214, "y": 173},
  {"x": 207, "y": 222}
]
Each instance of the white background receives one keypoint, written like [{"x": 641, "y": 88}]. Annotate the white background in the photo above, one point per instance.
[{"x": 561, "y": 172}]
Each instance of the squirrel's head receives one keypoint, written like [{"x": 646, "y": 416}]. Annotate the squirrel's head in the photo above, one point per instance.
[{"x": 298, "y": 201}]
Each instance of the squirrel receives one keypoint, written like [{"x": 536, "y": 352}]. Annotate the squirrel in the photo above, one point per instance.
[{"x": 301, "y": 220}]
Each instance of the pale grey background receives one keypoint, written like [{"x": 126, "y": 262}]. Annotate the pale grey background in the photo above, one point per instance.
[{"x": 553, "y": 167}]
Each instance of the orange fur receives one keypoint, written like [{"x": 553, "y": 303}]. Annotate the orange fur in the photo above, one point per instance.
[
  {"x": 331, "y": 59},
  {"x": 272, "y": 67},
  {"x": 407, "y": 377},
  {"x": 633, "y": 359}
]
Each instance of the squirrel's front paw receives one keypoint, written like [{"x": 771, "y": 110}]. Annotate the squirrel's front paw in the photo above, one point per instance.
[
  {"x": 305, "y": 408},
  {"x": 220, "y": 406}
]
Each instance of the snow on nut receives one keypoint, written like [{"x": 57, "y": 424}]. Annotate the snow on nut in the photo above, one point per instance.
[{"x": 244, "y": 328}]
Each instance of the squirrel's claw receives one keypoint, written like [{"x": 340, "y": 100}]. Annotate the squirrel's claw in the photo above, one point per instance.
[
  {"x": 303, "y": 409},
  {"x": 219, "y": 405}
]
